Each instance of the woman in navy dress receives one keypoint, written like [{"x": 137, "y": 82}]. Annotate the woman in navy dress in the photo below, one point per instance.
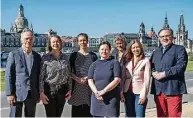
[{"x": 103, "y": 79}]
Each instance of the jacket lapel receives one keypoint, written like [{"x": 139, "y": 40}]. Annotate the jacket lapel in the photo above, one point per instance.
[
  {"x": 129, "y": 65},
  {"x": 23, "y": 61},
  {"x": 33, "y": 61},
  {"x": 137, "y": 66}
]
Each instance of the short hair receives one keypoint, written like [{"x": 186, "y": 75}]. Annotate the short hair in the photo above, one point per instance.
[
  {"x": 82, "y": 34},
  {"x": 119, "y": 37},
  {"x": 171, "y": 31},
  {"x": 123, "y": 39},
  {"x": 49, "y": 48},
  {"x": 105, "y": 43},
  {"x": 27, "y": 30}
]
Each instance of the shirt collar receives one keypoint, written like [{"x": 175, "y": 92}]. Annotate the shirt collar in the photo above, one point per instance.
[{"x": 167, "y": 46}]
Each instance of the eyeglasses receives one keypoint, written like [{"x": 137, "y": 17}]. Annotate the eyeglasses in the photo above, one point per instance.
[{"x": 166, "y": 36}]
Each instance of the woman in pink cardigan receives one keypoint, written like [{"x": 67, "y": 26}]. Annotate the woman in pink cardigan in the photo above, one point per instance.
[{"x": 136, "y": 74}]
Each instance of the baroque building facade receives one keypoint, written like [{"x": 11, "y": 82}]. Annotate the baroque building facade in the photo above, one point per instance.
[
  {"x": 181, "y": 35},
  {"x": 149, "y": 40},
  {"x": 11, "y": 40},
  {"x": 94, "y": 42}
]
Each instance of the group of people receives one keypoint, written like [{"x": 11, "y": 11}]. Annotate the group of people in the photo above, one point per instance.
[{"x": 94, "y": 87}]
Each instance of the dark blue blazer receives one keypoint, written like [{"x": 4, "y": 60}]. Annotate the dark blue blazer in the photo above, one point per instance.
[
  {"x": 173, "y": 62},
  {"x": 17, "y": 74}
]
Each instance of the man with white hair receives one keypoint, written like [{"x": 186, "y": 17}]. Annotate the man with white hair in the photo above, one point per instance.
[{"x": 22, "y": 77}]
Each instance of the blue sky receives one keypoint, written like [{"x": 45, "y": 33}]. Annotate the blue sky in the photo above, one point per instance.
[{"x": 97, "y": 17}]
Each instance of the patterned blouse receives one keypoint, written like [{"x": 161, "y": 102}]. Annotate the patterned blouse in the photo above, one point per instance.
[
  {"x": 55, "y": 72},
  {"x": 81, "y": 93}
]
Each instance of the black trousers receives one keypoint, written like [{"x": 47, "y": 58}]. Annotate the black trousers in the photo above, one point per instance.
[
  {"x": 29, "y": 109},
  {"x": 56, "y": 102},
  {"x": 129, "y": 104},
  {"x": 81, "y": 111},
  {"x": 55, "y": 105}
]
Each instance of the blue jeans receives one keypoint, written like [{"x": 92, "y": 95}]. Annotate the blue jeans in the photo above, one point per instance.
[
  {"x": 140, "y": 108},
  {"x": 132, "y": 108}
]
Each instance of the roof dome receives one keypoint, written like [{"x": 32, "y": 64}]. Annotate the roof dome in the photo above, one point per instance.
[{"x": 21, "y": 22}]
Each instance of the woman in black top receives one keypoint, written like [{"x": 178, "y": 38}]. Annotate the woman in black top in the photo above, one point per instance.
[
  {"x": 81, "y": 93},
  {"x": 55, "y": 83}
]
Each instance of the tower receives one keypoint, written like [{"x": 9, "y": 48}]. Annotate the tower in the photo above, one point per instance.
[
  {"x": 142, "y": 32},
  {"x": 31, "y": 27},
  {"x": 154, "y": 37},
  {"x": 181, "y": 34},
  {"x": 166, "y": 25}
]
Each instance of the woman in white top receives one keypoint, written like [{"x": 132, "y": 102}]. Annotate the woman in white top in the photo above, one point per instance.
[{"x": 136, "y": 75}]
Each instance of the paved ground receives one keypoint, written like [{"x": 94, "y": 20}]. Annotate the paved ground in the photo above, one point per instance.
[
  {"x": 150, "y": 112},
  {"x": 187, "y": 111}
]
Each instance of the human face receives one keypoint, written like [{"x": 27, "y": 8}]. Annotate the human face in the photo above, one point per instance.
[
  {"x": 119, "y": 45},
  {"x": 82, "y": 42},
  {"x": 27, "y": 41},
  {"x": 135, "y": 49},
  {"x": 104, "y": 51},
  {"x": 165, "y": 37},
  {"x": 55, "y": 44}
]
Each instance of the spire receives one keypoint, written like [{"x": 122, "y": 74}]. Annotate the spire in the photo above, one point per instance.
[
  {"x": 142, "y": 25},
  {"x": 181, "y": 19},
  {"x": 181, "y": 26},
  {"x": 11, "y": 29},
  {"x": 142, "y": 28},
  {"x": 142, "y": 32},
  {"x": 152, "y": 29},
  {"x": 31, "y": 27},
  {"x": 21, "y": 11},
  {"x": 166, "y": 25}
]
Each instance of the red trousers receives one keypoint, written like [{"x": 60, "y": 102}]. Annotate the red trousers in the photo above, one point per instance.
[{"x": 168, "y": 105}]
